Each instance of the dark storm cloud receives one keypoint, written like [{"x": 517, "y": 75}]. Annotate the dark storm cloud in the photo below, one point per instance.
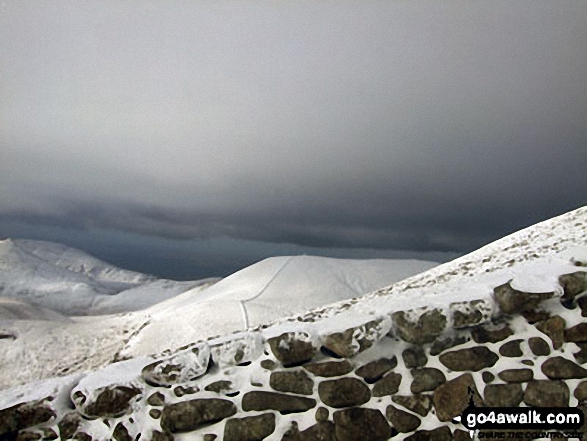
[{"x": 397, "y": 125}]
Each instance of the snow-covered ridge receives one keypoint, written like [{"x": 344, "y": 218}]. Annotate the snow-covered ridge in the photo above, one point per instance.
[
  {"x": 268, "y": 290},
  {"x": 550, "y": 237},
  {"x": 561, "y": 238},
  {"x": 53, "y": 276},
  {"x": 78, "y": 261}
]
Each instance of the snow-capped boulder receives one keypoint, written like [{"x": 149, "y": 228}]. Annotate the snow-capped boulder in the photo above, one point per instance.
[
  {"x": 184, "y": 366},
  {"x": 420, "y": 325},
  {"x": 357, "y": 339},
  {"x": 293, "y": 348},
  {"x": 239, "y": 349}
]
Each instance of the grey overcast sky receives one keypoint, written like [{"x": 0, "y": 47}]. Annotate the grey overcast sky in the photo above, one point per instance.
[{"x": 190, "y": 138}]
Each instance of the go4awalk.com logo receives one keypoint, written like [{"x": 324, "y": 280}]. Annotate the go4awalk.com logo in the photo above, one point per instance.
[{"x": 565, "y": 421}]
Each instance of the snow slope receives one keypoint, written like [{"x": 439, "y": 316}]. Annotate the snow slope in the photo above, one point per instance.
[
  {"x": 263, "y": 292},
  {"x": 14, "y": 309},
  {"x": 58, "y": 277},
  {"x": 266, "y": 291},
  {"x": 531, "y": 258},
  {"x": 71, "y": 282},
  {"x": 77, "y": 261}
]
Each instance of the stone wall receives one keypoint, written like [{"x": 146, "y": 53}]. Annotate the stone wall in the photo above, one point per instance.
[{"x": 405, "y": 374}]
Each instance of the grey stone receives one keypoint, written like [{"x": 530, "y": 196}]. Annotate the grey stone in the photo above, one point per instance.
[
  {"x": 487, "y": 377},
  {"x": 329, "y": 368},
  {"x": 467, "y": 314},
  {"x": 583, "y": 429},
  {"x": 321, "y": 431},
  {"x": 121, "y": 433},
  {"x": 374, "y": 370},
  {"x": 388, "y": 385},
  {"x": 463, "y": 320},
  {"x": 253, "y": 428},
  {"x": 82, "y": 436},
  {"x": 426, "y": 379},
  {"x": 180, "y": 391},
  {"x": 452, "y": 397},
  {"x": 420, "y": 404},
  {"x": 487, "y": 334},
  {"x": 155, "y": 414},
  {"x": 439, "y": 434},
  {"x": 40, "y": 433},
  {"x": 516, "y": 375},
  {"x": 354, "y": 340},
  {"x": 545, "y": 393},
  {"x": 414, "y": 357},
  {"x": 156, "y": 399},
  {"x": 538, "y": 315},
  {"x": 441, "y": 344},
  {"x": 219, "y": 386},
  {"x": 358, "y": 423},
  {"x": 69, "y": 424},
  {"x": 283, "y": 403},
  {"x": 580, "y": 392},
  {"x": 186, "y": 416},
  {"x": 25, "y": 435},
  {"x": 581, "y": 356},
  {"x": 268, "y": 364},
  {"x": 401, "y": 420},
  {"x": 503, "y": 395},
  {"x": 560, "y": 368},
  {"x": 297, "y": 382},
  {"x": 110, "y": 401},
  {"x": 538, "y": 346},
  {"x": 573, "y": 284},
  {"x": 512, "y": 301},
  {"x": 156, "y": 435},
  {"x": 425, "y": 329},
  {"x": 582, "y": 302},
  {"x": 554, "y": 327},
  {"x": 576, "y": 334},
  {"x": 511, "y": 349},
  {"x": 24, "y": 415},
  {"x": 470, "y": 359},
  {"x": 292, "y": 349},
  {"x": 343, "y": 392},
  {"x": 322, "y": 414}
]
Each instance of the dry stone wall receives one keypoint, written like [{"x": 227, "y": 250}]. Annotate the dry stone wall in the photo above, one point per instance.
[{"x": 403, "y": 375}]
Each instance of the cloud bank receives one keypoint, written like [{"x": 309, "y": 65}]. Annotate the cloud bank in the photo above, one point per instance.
[{"x": 390, "y": 125}]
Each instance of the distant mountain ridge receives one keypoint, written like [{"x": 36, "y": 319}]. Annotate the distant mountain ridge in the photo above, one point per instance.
[
  {"x": 72, "y": 282},
  {"x": 77, "y": 261}
]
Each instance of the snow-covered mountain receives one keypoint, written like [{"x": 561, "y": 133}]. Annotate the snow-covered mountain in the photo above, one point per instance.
[
  {"x": 266, "y": 291},
  {"x": 71, "y": 282},
  {"x": 159, "y": 314}
]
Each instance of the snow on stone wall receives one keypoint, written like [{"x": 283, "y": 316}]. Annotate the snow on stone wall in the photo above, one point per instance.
[{"x": 403, "y": 374}]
